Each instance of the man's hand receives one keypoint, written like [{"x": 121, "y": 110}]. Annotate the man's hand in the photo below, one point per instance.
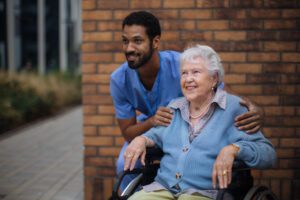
[
  {"x": 251, "y": 121},
  {"x": 162, "y": 117}
]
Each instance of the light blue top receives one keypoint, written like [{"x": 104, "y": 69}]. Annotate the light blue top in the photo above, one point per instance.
[
  {"x": 129, "y": 94},
  {"x": 194, "y": 160}
]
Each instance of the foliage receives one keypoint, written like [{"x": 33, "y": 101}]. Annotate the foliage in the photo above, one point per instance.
[{"x": 26, "y": 96}]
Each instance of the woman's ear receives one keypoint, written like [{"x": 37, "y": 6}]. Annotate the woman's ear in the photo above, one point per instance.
[
  {"x": 156, "y": 42},
  {"x": 215, "y": 79}
]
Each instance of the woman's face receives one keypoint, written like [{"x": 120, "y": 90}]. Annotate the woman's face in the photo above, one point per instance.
[{"x": 196, "y": 83}]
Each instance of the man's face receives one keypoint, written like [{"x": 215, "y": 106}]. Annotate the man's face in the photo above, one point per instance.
[{"x": 137, "y": 46}]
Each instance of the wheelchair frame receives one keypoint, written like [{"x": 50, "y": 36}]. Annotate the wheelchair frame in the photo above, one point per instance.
[{"x": 240, "y": 188}]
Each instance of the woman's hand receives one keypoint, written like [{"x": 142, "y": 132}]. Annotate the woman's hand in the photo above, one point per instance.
[
  {"x": 222, "y": 171},
  {"x": 136, "y": 149},
  {"x": 162, "y": 117},
  {"x": 251, "y": 121}
]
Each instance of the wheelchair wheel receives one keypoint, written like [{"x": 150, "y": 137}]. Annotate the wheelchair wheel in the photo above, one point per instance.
[{"x": 260, "y": 193}]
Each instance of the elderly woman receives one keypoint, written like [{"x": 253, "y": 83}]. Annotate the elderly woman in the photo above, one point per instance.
[{"x": 201, "y": 142}]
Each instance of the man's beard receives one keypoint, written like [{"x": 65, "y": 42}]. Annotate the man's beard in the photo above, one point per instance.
[{"x": 140, "y": 62}]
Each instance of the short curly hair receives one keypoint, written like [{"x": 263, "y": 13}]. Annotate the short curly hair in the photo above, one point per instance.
[{"x": 145, "y": 19}]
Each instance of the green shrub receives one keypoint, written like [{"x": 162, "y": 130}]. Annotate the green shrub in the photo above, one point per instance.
[{"x": 25, "y": 97}]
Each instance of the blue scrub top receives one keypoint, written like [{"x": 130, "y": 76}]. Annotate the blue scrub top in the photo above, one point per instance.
[{"x": 129, "y": 94}]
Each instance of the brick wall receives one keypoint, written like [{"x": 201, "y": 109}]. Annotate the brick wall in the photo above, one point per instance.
[{"x": 259, "y": 43}]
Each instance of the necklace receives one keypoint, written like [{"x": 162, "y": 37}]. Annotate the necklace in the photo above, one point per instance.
[{"x": 203, "y": 109}]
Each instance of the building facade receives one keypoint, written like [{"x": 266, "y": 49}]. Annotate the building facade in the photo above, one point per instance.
[{"x": 40, "y": 35}]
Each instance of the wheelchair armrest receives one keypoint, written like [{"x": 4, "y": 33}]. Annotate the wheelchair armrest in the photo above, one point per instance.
[
  {"x": 239, "y": 165},
  {"x": 120, "y": 177},
  {"x": 153, "y": 153}
]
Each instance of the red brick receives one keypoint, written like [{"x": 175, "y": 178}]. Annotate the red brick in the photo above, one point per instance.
[
  {"x": 110, "y": 131},
  {"x": 230, "y": 13},
  {"x": 195, "y": 14},
  {"x": 212, "y": 4},
  {"x": 280, "y": 24},
  {"x": 290, "y": 142},
  {"x": 99, "y": 161},
  {"x": 279, "y": 68},
  {"x": 115, "y": 4},
  {"x": 90, "y": 171},
  {"x": 107, "y": 172},
  {"x": 247, "y": 89},
  {"x": 261, "y": 35},
  {"x": 262, "y": 13},
  {"x": 279, "y": 89},
  {"x": 166, "y": 14},
  {"x": 88, "y": 5},
  {"x": 178, "y": 4},
  {"x": 203, "y": 35},
  {"x": 96, "y": 99},
  {"x": 278, "y": 173},
  {"x": 279, "y": 111},
  {"x": 103, "y": 89},
  {"x": 213, "y": 25},
  {"x": 97, "y": 37},
  {"x": 280, "y": 46},
  {"x": 230, "y": 35},
  {"x": 108, "y": 185},
  {"x": 88, "y": 47},
  {"x": 119, "y": 57},
  {"x": 95, "y": 78},
  {"x": 245, "y": 68},
  {"x": 233, "y": 57},
  {"x": 275, "y": 187},
  {"x": 247, "y": 4},
  {"x": 110, "y": 46},
  {"x": 290, "y": 78},
  {"x": 96, "y": 57},
  {"x": 291, "y": 13},
  {"x": 90, "y": 130},
  {"x": 88, "y": 68},
  {"x": 280, "y": 4},
  {"x": 263, "y": 57},
  {"x": 98, "y": 120},
  {"x": 105, "y": 109},
  {"x": 109, "y": 151},
  {"x": 145, "y": 4},
  {"x": 170, "y": 35},
  {"x": 278, "y": 132},
  {"x": 121, "y": 14},
  {"x": 98, "y": 141},
  {"x": 285, "y": 153},
  {"x": 233, "y": 78},
  {"x": 246, "y": 24},
  {"x": 291, "y": 57},
  {"x": 88, "y": 26},
  {"x": 119, "y": 141},
  {"x": 89, "y": 89},
  {"x": 178, "y": 25},
  {"x": 286, "y": 189},
  {"x": 289, "y": 35},
  {"x": 88, "y": 188},
  {"x": 90, "y": 151},
  {"x": 109, "y": 26},
  {"x": 266, "y": 100},
  {"x": 89, "y": 109},
  {"x": 97, "y": 15}
]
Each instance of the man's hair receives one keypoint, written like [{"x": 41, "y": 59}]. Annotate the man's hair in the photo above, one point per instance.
[{"x": 145, "y": 19}]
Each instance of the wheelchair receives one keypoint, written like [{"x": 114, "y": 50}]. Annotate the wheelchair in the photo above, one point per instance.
[{"x": 240, "y": 188}]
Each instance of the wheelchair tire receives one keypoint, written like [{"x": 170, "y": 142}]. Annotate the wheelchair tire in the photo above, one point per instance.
[{"x": 260, "y": 192}]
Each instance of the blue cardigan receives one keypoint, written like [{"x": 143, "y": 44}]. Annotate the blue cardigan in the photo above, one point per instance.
[{"x": 194, "y": 161}]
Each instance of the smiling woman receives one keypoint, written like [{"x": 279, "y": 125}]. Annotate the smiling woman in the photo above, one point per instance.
[{"x": 201, "y": 142}]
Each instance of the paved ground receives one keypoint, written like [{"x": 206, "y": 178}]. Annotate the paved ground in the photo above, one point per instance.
[{"x": 44, "y": 161}]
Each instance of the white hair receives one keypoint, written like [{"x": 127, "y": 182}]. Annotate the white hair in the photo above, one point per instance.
[{"x": 210, "y": 57}]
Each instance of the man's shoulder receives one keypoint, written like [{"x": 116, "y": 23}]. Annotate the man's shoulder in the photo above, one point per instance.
[{"x": 170, "y": 55}]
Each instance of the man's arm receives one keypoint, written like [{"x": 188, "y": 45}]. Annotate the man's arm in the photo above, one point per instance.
[
  {"x": 251, "y": 121},
  {"x": 130, "y": 128}
]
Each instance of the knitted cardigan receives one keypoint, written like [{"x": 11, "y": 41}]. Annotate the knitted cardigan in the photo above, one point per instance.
[{"x": 190, "y": 165}]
